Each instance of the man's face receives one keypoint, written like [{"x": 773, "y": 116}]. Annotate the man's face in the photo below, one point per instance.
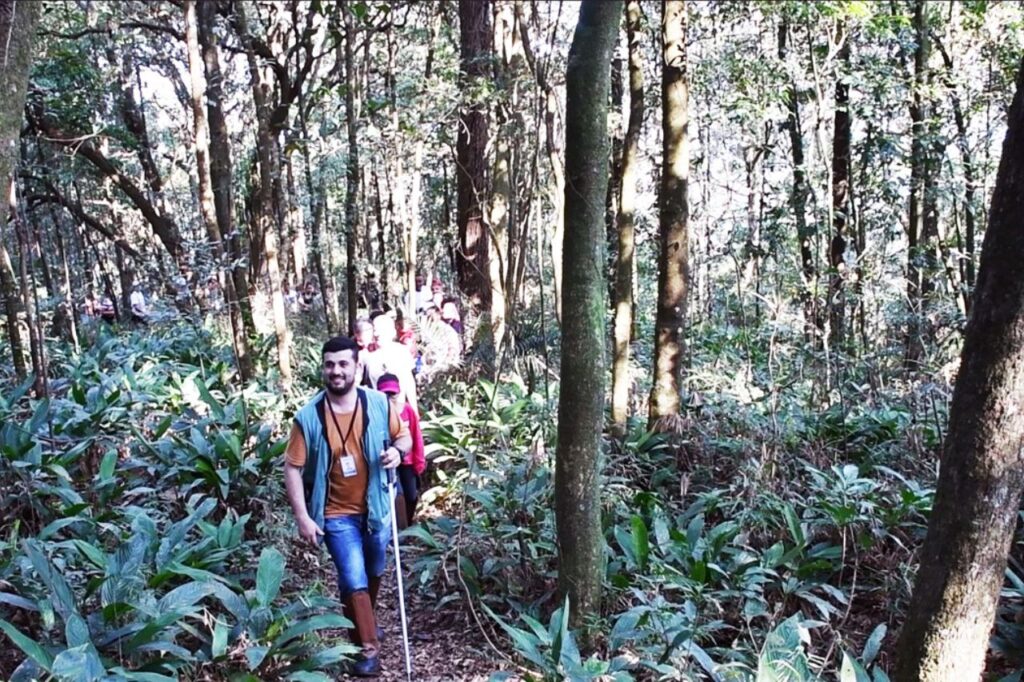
[
  {"x": 339, "y": 372},
  {"x": 420, "y": 281}
]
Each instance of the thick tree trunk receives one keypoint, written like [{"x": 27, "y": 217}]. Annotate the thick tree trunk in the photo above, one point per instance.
[
  {"x": 805, "y": 233},
  {"x": 673, "y": 259},
  {"x": 840, "y": 199},
  {"x": 981, "y": 479},
  {"x": 221, "y": 167},
  {"x": 215, "y": 218},
  {"x": 623, "y": 302},
  {"x": 266, "y": 150},
  {"x": 581, "y": 402},
  {"x": 473, "y": 254},
  {"x": 17, "y": 29}
]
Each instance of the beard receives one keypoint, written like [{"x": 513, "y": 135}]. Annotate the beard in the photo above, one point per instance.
[{"x": 343, "y": 389}]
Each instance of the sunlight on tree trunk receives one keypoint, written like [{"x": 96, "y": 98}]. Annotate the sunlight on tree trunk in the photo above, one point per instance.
[
  {"x": 981, "y": 479},
  {"x": 207, "y": 201},
  {"x": 673, "y": 258},
  {"x": 625, "y": 261},
  {"x": 473, "y": 253},
  {"x": 266, "y": 150}
]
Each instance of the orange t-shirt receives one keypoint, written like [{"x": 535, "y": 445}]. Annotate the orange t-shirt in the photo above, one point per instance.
[{"x": 345, "y": 494}]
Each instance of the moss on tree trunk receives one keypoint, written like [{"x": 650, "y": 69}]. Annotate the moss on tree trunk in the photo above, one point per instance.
[{"x": 581, "y": 403}]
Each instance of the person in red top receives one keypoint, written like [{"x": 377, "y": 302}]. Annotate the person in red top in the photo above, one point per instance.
[{"x": 415, "y": 461}]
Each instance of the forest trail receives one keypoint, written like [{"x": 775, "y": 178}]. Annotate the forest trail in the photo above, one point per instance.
[{"x": 444, "y": 643}]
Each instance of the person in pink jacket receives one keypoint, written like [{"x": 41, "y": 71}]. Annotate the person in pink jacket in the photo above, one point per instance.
[{"x": 415, "y": 462}]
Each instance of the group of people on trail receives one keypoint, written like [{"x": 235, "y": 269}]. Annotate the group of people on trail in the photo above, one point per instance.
[
  {"x": 341, "y": 447},
  {"x": 347, "y": 438},
  {"x": 105, "y": 310}
]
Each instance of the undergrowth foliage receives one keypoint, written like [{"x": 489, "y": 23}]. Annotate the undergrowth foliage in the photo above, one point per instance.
[
  {"x": 132, "y": 494},
  {"x": 762, "y": 541}
]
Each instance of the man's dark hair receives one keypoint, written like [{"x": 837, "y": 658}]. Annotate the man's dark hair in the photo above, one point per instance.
[
  {"x": 339, "y": 343},
  {"x": 375, "y": 314}
]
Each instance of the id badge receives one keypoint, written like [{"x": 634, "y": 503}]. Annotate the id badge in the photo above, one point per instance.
[{"x": 348, "y": 465}]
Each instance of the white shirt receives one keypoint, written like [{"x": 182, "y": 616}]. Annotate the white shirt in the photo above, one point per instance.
[
  {"x": 138, "y": 302},
  {"x": 394, "y": 358}
]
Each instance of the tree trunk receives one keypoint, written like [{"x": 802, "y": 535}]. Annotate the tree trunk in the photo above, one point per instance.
[
  {"x": 581, "y": 402},
  {"x": 617, "y": 134},
  {"x": 798, "y": 197},
  {"x": 981, "y": 478},
  {"x": 840, "y": 198},
  {"x": 673, "y": 259},
  {"x": 67, "y": 288},
  {"x": 473, "y": 253},
  {"x": 970, "y": 179},
  {"x": 17, "y": 25},
  {"x": 215, "y": 218},
  {"x": 28, "y": 300},
  {"x": 623, "y": 303},
  {"x": 221, "y": 168},
  {"x": 266, "y": 150},
  {"x": 913, "y": 342},
  {"x": 351, "y": 170}
]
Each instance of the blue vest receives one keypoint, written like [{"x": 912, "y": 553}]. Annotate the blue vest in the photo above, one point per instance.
[{"x": 376, "y": 438}]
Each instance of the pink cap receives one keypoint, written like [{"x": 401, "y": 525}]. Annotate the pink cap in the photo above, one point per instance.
[{"x": 389, "y": 386}]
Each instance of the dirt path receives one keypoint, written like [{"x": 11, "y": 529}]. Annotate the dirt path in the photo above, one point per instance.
[{"x": 444, "y": 644}]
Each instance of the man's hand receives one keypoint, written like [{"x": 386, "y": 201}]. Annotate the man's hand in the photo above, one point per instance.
[
  {"x": 308, "y": 530},
  {"x": 391, "y": 457}
]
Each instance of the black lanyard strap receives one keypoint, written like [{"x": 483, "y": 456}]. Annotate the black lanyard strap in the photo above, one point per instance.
[{"x": 351, "y": 426}]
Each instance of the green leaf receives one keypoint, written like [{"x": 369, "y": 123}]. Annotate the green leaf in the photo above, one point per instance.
[
  {"x": 254, "y": 656},
  {"x": 76, "y": 631},
  {"x": 269, "y": 575},
  {"x": 78, "y": 664},
  {"x": 107, "y": 465},
  {"x": 308, "y": 676},
  {"x": 182, "y": 598},
  {"x": 91, "y": 553},
  {"x": 793, "y": 523},
  {"x": 28, "y": 645},
  {"x": 320, "y": 622},
  {"x": 216, "y": 409},
  {"x": 874, "y": 643},
  {"x": 219, "y": 644},
  {"x": 641, "y": 542},
  {"x": 852, "y": 671},
  {"x": 524, "y": 642}
]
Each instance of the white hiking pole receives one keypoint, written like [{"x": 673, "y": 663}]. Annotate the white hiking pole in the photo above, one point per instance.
[{"x": 398, "y": 574}]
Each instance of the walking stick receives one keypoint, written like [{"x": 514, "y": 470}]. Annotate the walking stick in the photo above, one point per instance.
[{"x": 398, "y": 574}]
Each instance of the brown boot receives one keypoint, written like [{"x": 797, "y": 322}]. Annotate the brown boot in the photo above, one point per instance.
[
  {"x": 400, "y": 513},
  {"x": 361, "y": 608},
  {"x": 347, "y": 612},
  {"x": 374, "y": 588}
]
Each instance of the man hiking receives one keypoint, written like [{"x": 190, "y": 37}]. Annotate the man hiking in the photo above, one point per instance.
[{"x": 341, "y": 444}]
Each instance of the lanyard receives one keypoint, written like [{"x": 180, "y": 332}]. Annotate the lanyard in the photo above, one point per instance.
[{"x": 351, "y": 425}]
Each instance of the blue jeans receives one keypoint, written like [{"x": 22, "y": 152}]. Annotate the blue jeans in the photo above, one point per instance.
[{"x": 358, "y": 554}]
